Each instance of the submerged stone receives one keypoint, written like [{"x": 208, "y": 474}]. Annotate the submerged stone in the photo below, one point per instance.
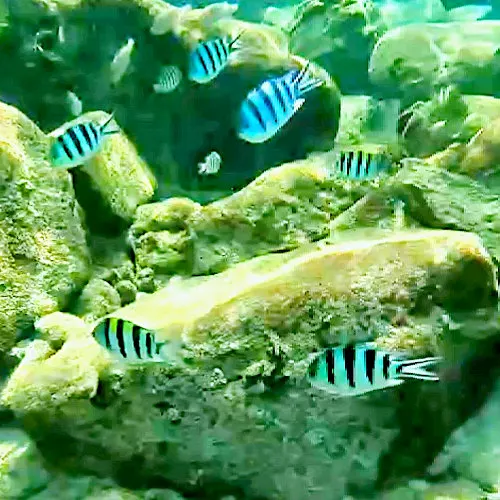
[
  {"x": 282, "y": 209},
  {"x": 44, "y": 258},
  {"x": 416, "y": 57},
  {"x": 240, "y": 401}
]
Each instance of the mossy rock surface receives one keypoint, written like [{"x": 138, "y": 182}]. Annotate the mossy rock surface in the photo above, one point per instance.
[
  {"x": 43, "y": 251},
  {"x": 413, "y": 59},
  {"x": 248, "y": 333},
  {"x": 282, "y": 209}
]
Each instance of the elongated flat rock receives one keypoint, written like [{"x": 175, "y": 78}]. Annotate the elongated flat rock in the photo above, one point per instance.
[{"x": 367, "y": 271}]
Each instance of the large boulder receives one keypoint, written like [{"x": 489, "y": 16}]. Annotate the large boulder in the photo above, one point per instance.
[
  {"x": 282, "y": 209},
  {"x": 44, "y": 258},
  {"x": 237, "y": 415}
]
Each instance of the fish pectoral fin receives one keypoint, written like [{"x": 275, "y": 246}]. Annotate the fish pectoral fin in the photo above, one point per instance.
[
  {"x": 416, "y": 368},
  {"x": 298, "y": 104}
]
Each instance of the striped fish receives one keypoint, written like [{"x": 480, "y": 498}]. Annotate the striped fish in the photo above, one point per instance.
[
  {"x": 168, "y": 80},
  {"x": 79, "y": 143},
  {"x": 358, "y": 164},
  {"x": 127, "y": 340},
  {"x": 211, "y": 164},
  {"x": 209, "y": 58},
  {"x": 356, "y": 369},
  {"x": 272, "y": 104}
]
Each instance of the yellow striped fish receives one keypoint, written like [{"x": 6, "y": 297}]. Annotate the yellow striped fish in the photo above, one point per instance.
[{"x": 128, "y": 341}]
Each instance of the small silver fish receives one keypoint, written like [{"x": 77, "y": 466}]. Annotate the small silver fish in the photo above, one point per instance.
[
  {"x": 211, "y": 164},
  {"x": 209, "y": 58},
  {"x": 356, "y": 369},
  {"x": 128, "y": 341},
  {"x": 121, "y": 61},
  {"x": 168, "y": 80},
  {"x": 74, "y": 103},
  {"x": 79, "y": 143},
  {"x": 359, "y": 164}
]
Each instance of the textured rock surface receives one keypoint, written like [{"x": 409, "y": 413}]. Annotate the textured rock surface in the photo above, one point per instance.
[
  {"x": 43, "y": 253},
  {"x": 218, "y": 424},
  {"x": 473, "y": 450},
  {"x": 21, "y": 472},
  {"x": 282, "y": 209},
  {"x": 432, "y": 197},
  {"x": 416, "y": 58}
]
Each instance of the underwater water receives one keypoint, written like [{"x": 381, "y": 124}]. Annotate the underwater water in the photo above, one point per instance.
[{"x": 249, "y": 250}]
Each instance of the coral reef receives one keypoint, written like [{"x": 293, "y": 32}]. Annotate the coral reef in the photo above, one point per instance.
[{"x": 174, "y": 132}]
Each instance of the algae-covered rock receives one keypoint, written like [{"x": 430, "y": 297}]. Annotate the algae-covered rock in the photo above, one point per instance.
[
  {"x": 431, "y": 197},
  {"x": 449, "y": 119},
  {"x": 97, "y": 299},
  {"x": 416, "y": 58},
  {"x": 473, "y": 450},
  {"x": 48, "y": 380},
  {"x": 282, "y": 209},
  {"x": 43, "y": 253},
  {"x": 248, "y": 334}
]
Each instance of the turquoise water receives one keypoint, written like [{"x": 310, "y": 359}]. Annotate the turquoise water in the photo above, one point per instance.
[{"x": 249, "y": 250}]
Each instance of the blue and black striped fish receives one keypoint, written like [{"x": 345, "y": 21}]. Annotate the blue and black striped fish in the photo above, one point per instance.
[
  {"x": 79, "y": 143},
  {"x": 355, "y": 369},
  {"x": 359, "y": 164},
  {"x": 209, "y": 58},
  {"x": 272, "y": 104},
  {"x": 128, "y": 341}
]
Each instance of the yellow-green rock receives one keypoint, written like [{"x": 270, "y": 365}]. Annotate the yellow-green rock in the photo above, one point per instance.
[
  {"x": 431, "y": 196},
  {"x": 248, "y": 333},
  {"x": 97, "y": 299},
  {"x": 46, "y": 380},
  {"x": 44, "y": 258},
  {"x": 282, "y": 209}
]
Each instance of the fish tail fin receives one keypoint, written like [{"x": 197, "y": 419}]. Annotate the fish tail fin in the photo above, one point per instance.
[
  {"x": 104, "y": 129},
  {"x": 305, "y": 82},
  {"x": 170, "y": 352},
  {"x": 416, "y": 368},
  {"x": 235, "y": 43}
]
